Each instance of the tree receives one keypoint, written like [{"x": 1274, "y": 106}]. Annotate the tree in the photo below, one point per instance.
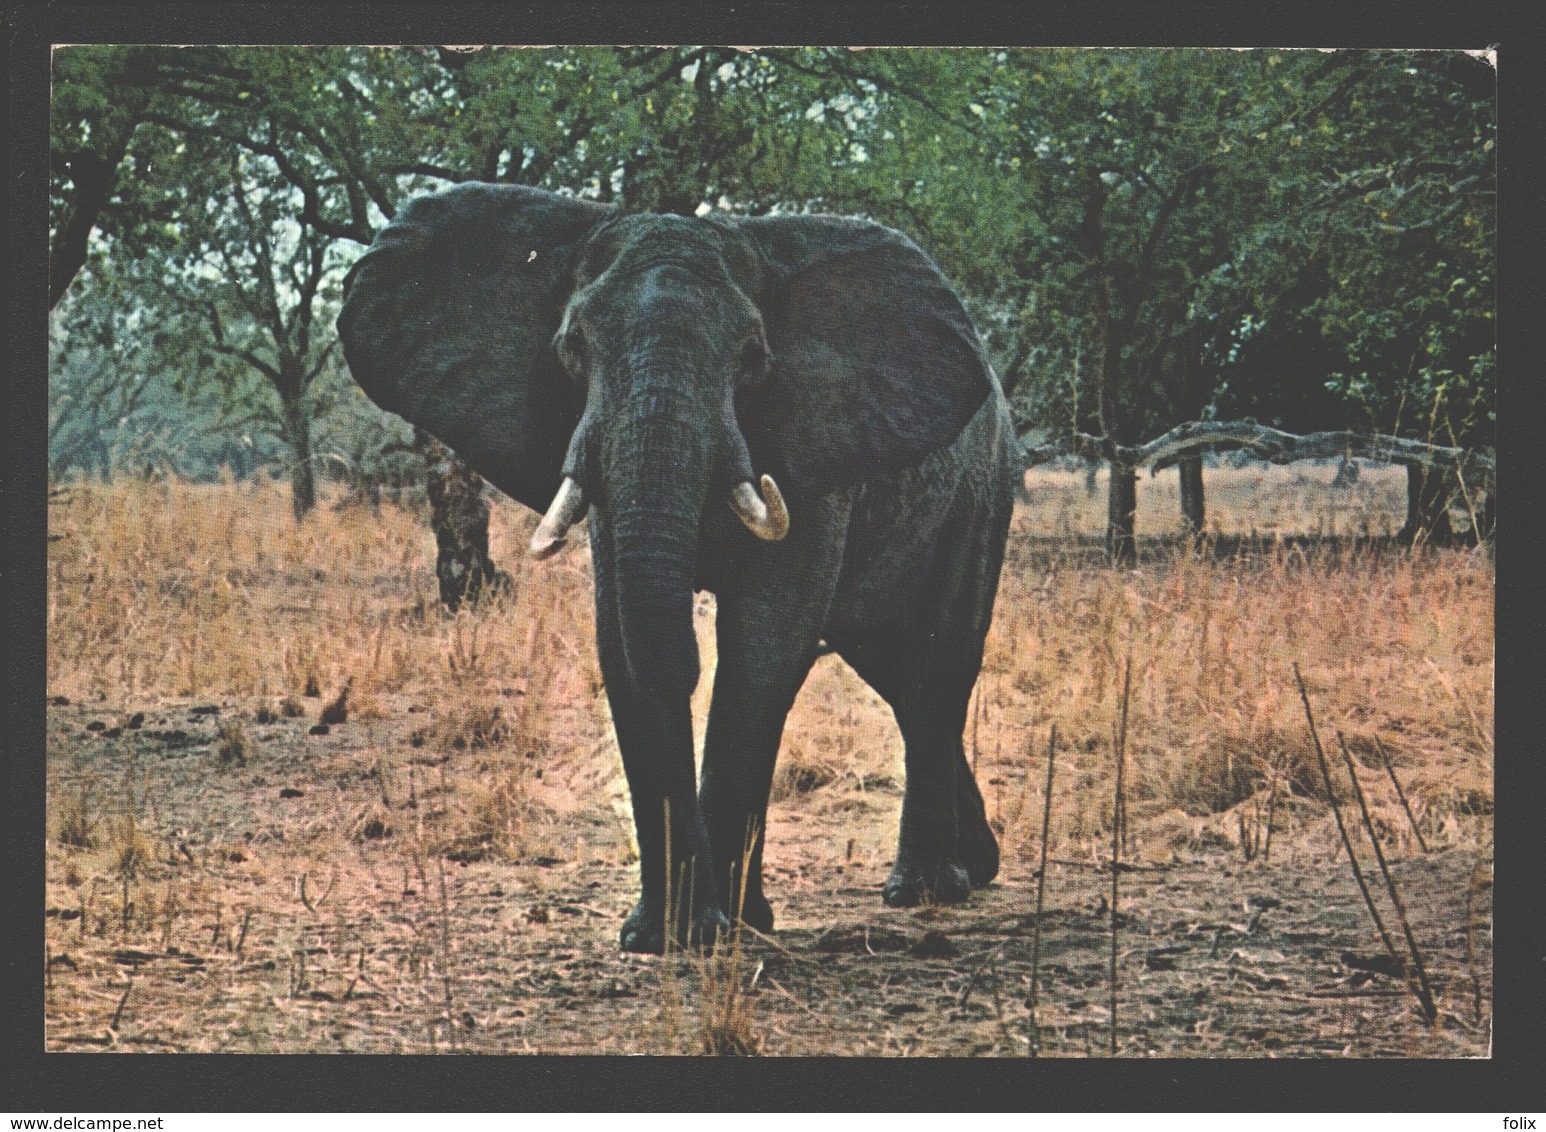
[
  {"x": 256, "y": 283},
  {"x": 239, "y": 174},
  {"x": 1145, "y": 237},
  {"x": 100, "y": 397},
  {"x": 119, "y": 398},
  {"x": 1121, "y": 153},
  {"x": 1191, "y": 233},
  {"x": 99, "y": 102},
  {"x": 1370, "y": 290}
]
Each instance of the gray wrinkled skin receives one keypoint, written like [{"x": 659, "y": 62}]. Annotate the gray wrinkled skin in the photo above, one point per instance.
[{"x": 660, "y": 361}]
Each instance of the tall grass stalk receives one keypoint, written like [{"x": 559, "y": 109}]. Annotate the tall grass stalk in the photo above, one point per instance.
[
  {"x": 1041, "y": 892},
  {"x": 1336, "y": 811},
  {"x": 1424, "y": 991},
  {"x": 1272, "y": 803},
  {"x": 1470, "y": 938},
  {"x": 726, "y": 1010},
  {"x": 725, "y": 1016},
  {"x": 122, "y": 1002},
  {"x": 1118, "y": 810},
  {"x": 445, "y": 955},
  {"x": 1400, "y": 793}
]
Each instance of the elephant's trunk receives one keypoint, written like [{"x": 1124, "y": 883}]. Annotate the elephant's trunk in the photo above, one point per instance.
[
  {"x": 655, "y": 566},
  {"x": 658, "y": 480}
]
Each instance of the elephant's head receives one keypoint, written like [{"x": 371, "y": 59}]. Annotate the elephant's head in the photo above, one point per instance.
[
  {"x": 653, "y": 366},
  {"x": 662, "y": 336}
]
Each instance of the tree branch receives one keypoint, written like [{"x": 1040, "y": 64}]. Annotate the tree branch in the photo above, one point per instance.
[
  {"x": 94, "y": 177},
  {"x": 217, "y": 334},
  {"x": 251, "y": 359},
  {"x": 327, "y": 352},
  {"x": 426, "y": 169},
  {"x": 1266, "y": 443},
  {"x": 839, "y": 68}
]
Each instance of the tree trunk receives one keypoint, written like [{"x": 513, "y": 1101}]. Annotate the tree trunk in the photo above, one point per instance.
[
  {"x": 1121, "y": 505},
  {"x": 1487, "y": 517},
  {"x": 1428, "y": 495},
  {"x": 1193, "y": 505},
  {"x": 94, "y": 177},
  {"x": 303, "y": 483},
  {"x": 459, "y": 516},
  {"x": 1113, "y": 407}
]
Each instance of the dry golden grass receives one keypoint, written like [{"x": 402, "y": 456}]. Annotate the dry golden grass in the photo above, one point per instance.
[
  {"x": 1395, "y": 647},
  {"x": 169, "y": 593},
  {"x": 1296, "y": 499},
  {"x": 179, "y": 590},
  {"x": 176, "y": 591}
]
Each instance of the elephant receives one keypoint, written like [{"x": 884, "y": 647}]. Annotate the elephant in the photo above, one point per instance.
[{"x": 793, "y": 412}]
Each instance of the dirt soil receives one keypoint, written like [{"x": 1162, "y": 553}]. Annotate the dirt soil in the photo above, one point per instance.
[{"x": 284, "y": 902}]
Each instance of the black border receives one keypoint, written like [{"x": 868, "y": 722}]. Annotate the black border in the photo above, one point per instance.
[{"x": 1509, "y": 1081}]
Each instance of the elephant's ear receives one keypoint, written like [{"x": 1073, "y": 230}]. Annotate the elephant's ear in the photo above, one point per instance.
[
  {"x": 875, "y": 361},
  {"x": 448, "y": 321}
]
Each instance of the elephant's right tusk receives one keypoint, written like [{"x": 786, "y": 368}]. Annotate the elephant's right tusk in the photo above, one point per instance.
[
  {"x": 566, "y": 507},
  {"x": 767, "y": 520}
]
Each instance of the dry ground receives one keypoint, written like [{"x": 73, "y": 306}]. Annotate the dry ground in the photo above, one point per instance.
[{"x": 446, "y": 869}]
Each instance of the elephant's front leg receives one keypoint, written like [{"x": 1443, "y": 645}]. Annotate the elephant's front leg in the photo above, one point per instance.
[
  {"x": 768, "y": 626},
  {"x": 654, "y": 736},
  {"x": 678, "y": 889},
  {"x": 746, "y": 723}
]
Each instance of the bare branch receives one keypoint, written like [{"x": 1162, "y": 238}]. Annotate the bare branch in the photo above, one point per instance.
[
  {"x": 426, "y": 169},
  {"x": 358, "y": 229},
  {"x": 327, "y": 352},
  {"x": 221, "y": 346},
  {"x": 1266, "y": 443},
  {"x": 251, "y": 359},
  {"x": 305, "y": 310},
  {"x": 839, "y": 66}
]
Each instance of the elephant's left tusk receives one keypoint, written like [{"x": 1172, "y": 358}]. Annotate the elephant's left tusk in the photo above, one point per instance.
[
  {"x": 765, "y": 516},
  {"x": 566, "y": 507}
]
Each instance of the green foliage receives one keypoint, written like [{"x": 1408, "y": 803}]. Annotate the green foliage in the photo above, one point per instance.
[
  {"x": 1376, "y": 259},
  {"x": 119, "y": 401},
  {"x": 1145, "y": 236}
]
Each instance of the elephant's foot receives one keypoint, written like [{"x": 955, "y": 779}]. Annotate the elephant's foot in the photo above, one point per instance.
[
  {"x": 644, "y": 931},
  {"x": 909, "y": 885},
  {"x": 979, "y": 850},
  {"x": 977, "y": 846}
]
